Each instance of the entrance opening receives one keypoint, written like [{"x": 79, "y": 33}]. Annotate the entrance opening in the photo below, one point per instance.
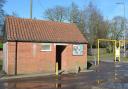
[{"x": 59, "y": 50}]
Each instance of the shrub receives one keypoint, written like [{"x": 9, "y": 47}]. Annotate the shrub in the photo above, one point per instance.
[{"x": 1, "y": 46}]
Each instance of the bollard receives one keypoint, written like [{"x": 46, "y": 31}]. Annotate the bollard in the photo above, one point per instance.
[
  {"x": 57, "y": 68},
  {"x": 98, "y": 52},
  {"x": 115, "y": 52}
]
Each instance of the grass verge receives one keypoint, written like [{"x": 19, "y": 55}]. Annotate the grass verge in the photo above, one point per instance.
[
  {"x": 104, "y": 56},
  {"x": 1, "y": 45}
]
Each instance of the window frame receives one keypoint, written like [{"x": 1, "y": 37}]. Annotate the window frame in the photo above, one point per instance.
[{"x": 50, "y": 49}]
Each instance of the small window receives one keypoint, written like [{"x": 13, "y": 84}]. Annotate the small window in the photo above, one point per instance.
[
  {"x": 45, "y": 47},
  {"x": 78, "y": 49}
]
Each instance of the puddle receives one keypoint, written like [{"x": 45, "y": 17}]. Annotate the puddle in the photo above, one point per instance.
[
  {"x": 115, "y": 78},
  {"x": 58, "y": 85},
  {"x": 29, "y": 85},
  {"x": 6, "y": 84},
  {"x": 117, "y": 66},
  {"x": 106, "y": 76},
  {"x": 114, "y": 86},
  {"x": 100, "y": 81}
]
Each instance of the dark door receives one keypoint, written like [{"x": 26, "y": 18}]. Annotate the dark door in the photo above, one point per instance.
[{"x": 59, "y": 50}]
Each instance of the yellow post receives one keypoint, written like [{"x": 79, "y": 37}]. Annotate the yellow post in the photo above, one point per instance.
[
  {"x": 119, "y": 50},
  {"x": 115, "y": 52},
  {"x": 57, "y": 68},
  {"x": 98, "y": 53}
]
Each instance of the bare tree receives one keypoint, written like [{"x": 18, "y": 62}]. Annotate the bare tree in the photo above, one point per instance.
[
  {"x": 73, "y": 13},
  {"x": 81, "y": 23},
  {"x": 116, "y": 28},
  {"x": 126, "y": 29},
  {"x": 57, "y": 13},
  {"x": 2, "y": 14},
  {"x": 14, "y": 13},
  {"x": 49, "y": 14},
  {"x": 89, "y": 20},
  {"x": 103, "y": 29},
  {"x": 92, "y": 20}
]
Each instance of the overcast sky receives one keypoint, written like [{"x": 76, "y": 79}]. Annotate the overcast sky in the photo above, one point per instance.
[{"x": 108, "y": 8}]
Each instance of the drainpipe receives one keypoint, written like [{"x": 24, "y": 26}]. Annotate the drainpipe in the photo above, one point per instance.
[{"x": 16, "y": 57}]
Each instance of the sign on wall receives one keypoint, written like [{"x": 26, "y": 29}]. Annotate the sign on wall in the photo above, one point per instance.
[{"x": 78, "y": 49}]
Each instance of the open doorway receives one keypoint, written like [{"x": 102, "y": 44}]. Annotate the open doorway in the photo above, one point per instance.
[{"x": 59, "y": 50}]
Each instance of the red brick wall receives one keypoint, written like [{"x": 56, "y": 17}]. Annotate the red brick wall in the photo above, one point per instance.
[
  {"x": 70, "y": 62},
  {"x": 11, "y": 57},
  {"x": 33, "y": 60}
]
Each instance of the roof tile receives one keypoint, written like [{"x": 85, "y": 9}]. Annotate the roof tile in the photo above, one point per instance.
[{"x": 19, "y": 29}]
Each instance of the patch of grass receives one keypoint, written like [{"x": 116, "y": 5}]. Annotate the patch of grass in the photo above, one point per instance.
[
  {"x": 124, "y": 59},
  {"x": 104, "y": 56},
  {"x": 1, "y": 45}
]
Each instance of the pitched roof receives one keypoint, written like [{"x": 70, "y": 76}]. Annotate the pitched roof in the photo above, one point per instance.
[{"x": 18, "y": 29}]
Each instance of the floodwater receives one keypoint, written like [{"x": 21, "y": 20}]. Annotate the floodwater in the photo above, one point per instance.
[{"x": 107, "y": 75}]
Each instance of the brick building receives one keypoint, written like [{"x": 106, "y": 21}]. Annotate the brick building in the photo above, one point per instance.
[{"x": 35, "y": 46}]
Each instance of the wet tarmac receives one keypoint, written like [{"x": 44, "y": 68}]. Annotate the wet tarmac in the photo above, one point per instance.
[{"x": 106, "y": 76}]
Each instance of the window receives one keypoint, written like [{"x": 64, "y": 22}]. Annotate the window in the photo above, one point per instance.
[
  {"x": 45, "y": 47},
  {"x": 78, "y": 49}
]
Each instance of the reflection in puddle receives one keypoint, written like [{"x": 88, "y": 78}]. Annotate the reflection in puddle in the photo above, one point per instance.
[
  {"x": 110, "y": 85},
  {"x": 99, "y": 81},
  {"x": 10, "y": 85},
  {"x": 115, "y": 76},
  {"x": 31, "y": 85},
  {"x": 104, "y": 77},
  {"x": 6, "y": 84},
  {"x": 58, "y": 85},
  {"x": 97, "y": 70},
  {"x": 117, "y": 66}
]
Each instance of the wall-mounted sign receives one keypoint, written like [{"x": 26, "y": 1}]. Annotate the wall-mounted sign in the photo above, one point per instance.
[{"x": 78, "y": 49}]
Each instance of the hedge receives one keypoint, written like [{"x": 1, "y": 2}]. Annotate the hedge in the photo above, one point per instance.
[{"x": 1, "y": 46}]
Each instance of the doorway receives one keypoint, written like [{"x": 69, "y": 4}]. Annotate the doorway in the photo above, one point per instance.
[{"x": 59, "y": 50}]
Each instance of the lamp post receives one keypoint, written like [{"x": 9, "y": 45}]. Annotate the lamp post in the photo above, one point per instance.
[
  {"x": 31, "y": 9},
  {"x": 123, "y": 4}
]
